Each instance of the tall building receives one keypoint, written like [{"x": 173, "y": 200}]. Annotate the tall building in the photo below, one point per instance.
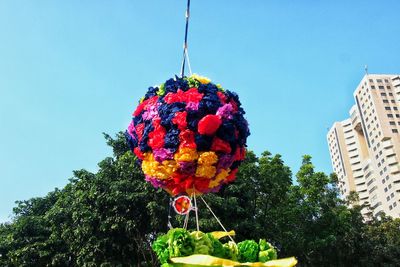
[{"x": 365, "y": 148}]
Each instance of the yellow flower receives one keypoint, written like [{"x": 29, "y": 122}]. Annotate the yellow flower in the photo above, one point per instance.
[
  {"x": 201, "y": 79},
  {"x": 208, "y": 158},
  {"x": 205, "y": 171},
  {"x": 186, "y": 154},
  {"x": 155, "y": 169},
  {"x": 221, "y": 176}
]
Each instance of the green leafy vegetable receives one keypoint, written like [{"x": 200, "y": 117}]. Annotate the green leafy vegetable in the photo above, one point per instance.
[
  {"x": 248, "y": 251},
  {"x": 202, "y": 243},
  {"x": 267, "y": 251},
  {"x": 218, "y": 249},
  {"x": 180, "y": 243},
  {"x": 231, "y": 251},
  {"x": 160, "y": 247}
]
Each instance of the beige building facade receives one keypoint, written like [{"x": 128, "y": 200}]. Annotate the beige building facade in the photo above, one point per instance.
[{"x": 365, "y": 148}]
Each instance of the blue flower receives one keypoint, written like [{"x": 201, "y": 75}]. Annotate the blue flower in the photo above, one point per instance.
[
  {"x": 227, "y": 131},
  {"x": 210, "y": 103},
  {"x": 132, "y": 142},
  {"x": 152, "y": 91},
  {"x": 167, "y": 112},
  {"x": 172, "y": 138},
  {"x": 208, "y": 88},
  {"x": 203, "y": 142},
  {"x": 172, "y": 85},
  {"x": 242, "y": 127}
]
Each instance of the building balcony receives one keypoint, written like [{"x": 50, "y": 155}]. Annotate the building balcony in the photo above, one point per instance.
[
  {"x": 387, "y": 144},
  {"x": 389, "y": 152},
  {"x": 395, "y": 168},
  {"x": 392, "y": 160}
]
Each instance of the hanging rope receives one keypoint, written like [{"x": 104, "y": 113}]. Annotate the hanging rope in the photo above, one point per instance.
[
  {"x": 169, "y": 225},
  {"x": 185, "y": 45},
  {"x": 215, "y": 216},
  {"x": 195, "y": 210}
]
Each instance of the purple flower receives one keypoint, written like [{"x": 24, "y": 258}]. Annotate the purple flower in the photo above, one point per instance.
[
  {"x": 192, "y": 106},
  {"x": 154, "y": 181},
  {"x": 225, "y": 161},
  {"x": 225, "y": 111},
  {"x": 187, "y": 167},
  {"x": 162, "y": 154},
  {"x": 151, "y": 112}
]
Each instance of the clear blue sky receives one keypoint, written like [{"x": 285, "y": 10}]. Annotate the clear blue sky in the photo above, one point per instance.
[{"x": 70, "y": 70}]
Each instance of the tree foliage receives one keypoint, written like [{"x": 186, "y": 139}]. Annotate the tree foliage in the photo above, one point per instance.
[{"x": 110, "y": 218}]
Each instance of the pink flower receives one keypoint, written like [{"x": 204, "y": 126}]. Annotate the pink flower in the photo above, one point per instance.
[{"x": 226, "y": 111}]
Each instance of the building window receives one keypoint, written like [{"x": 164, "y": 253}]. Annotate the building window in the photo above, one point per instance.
[
  {"x": 395, "y": 108},
  {"x": 387, "y": 108},
  {"x": 387, "y": 198},
  {"x": 381, "y": 87},
  {"x": 385, "y": 101},
  {"x": 383, "y": 181},
  {"x": 390, "y": 207},
  {"x": 392, "y": 194},
  {"x": 386, "y": 189},
  {"x": 394, "y": 131},
  {"x": 371, "y": 81},
  {"x": 386, "y": 81},
  {"x": 379, "y": 80},
  {"x": 383, "y": 94},
  {"x": 392, "y": 123},
  {"x": 394, "y": 204},
  {"x": 390, "y": 186},
  {"x": 390, "y": 115}
]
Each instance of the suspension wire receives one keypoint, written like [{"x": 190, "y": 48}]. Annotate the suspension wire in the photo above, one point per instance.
[
  {"x": 169, "y": 225},
  {"x": 195, "y": 210},
  {"x": 185, "y": 45},
  {"x": 186, "y": 221},
  {"x": 215, "y": 216}
]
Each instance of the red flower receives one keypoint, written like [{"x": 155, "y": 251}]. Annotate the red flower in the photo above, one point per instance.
[
  {"x": 186, "y": 139},
  {"x": 156, "y": 137},
  {"x": 202, "y": 184},
  {"x": 209, "y": 124},
  {"x": 240, "y": 153},
  {"x": 222, "y": 97},
  {"x": 234, "y": 105},
  {"x": 232, "y": 176},
  {"x": 180, "y": 120},
  {"x": 139, "y": 130},
  {"x": 220, "y": 145},
  {"x": 193, "y": 95},
  {"x": 174, "y": 97},
  {"x": 145, "y": 104},
  {"x": 138, "y": 153}
]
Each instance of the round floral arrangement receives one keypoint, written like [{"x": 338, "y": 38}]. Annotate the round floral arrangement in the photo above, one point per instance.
[{"x": 189, "y": 135}]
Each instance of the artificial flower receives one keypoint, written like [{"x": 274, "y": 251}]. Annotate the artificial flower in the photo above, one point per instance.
[
  {"x": 208, "y": 158},
  {"x": 209, "y": 124}
]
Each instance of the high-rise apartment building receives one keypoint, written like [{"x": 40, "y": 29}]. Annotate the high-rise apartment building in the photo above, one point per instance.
[{"x": 365, "y": 148}]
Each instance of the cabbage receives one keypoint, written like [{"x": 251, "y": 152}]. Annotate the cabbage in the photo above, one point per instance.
[
  {"x": 231, "y": 250},
  {"x": 202, "y": 243},
  {"x": 248, "y": 251},
  {"x": 267, "y": 251}
]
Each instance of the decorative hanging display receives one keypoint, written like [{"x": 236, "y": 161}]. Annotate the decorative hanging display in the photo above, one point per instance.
[{"x": 189, "y": 135}]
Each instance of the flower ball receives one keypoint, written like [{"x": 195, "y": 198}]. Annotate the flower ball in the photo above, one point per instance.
[{"x": 189, "y": 135}]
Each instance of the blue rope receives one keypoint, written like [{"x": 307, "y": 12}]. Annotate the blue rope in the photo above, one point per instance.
[{"x": 185, "y": 43}]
